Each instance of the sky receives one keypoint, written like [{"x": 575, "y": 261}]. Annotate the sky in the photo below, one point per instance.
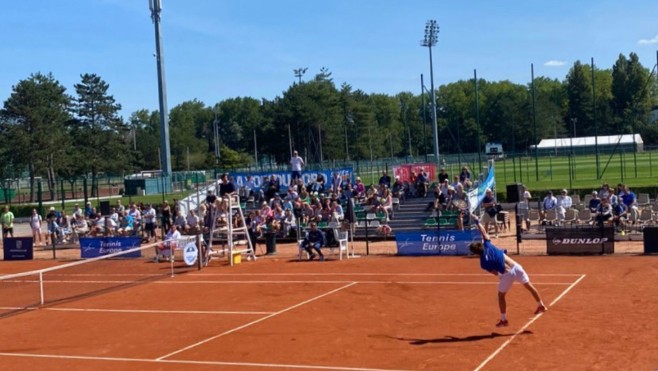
[{"x": 219, "y": 49}]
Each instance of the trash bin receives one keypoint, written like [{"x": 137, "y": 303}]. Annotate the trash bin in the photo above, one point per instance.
[
  {"x": 270, "y": 243},
  {"x": 650, "y": 238}
]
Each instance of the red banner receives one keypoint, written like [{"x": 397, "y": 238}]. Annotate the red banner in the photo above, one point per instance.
[{"x": 404, "y": 171}]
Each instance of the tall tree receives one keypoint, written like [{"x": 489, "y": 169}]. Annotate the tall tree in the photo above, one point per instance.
[
  {"x": 98, "y": 131},
  {"x": 33, "y": 126}
]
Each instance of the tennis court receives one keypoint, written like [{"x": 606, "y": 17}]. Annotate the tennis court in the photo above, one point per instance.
[{"x": 369, "y": 313}]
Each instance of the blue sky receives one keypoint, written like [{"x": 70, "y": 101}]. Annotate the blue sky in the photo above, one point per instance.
[{"x": 218, "y": 49}]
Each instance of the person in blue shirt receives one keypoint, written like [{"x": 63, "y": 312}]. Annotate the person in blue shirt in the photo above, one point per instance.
[
  {"x": 496, "y": 262},
  {"x": 314, "y": 241}
]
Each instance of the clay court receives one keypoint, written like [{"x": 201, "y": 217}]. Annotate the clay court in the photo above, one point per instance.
[{"x": 377, "y": 312}]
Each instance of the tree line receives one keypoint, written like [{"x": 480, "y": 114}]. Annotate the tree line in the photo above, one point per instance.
[{"x": 47, "y": 133}]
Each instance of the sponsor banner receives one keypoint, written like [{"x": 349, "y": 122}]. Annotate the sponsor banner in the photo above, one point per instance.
[
  {"x": 592, "y": 240},
  {"x": 92, "y": 247},
  {"x": 433, "y": 242},
  {"x": 18, "y": 248},
  {"x": 404, "y": 171},
  {"x": 650, "y": 237},
  {"x": 190, "y": 253},
  {"x": 240, "y": 179}
]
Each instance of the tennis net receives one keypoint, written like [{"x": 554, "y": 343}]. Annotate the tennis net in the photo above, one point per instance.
[{"x": 76, "y": 280}]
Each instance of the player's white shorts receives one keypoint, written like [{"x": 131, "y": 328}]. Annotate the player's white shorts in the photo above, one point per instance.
[{"x": 515, "y": 274}]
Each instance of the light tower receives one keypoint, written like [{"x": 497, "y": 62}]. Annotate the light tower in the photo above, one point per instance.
[
  {"x": 431, "y": 33},
  {"x": 165, "y": 152}
]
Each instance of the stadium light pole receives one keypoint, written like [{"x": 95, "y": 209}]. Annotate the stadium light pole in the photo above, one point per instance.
[
  {"x": 165, "y": 154},
  {"x": 431, "y": 32}
]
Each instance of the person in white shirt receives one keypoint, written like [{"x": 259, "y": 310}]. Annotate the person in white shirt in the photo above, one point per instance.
[
  {"x": 149, "y": 222},
  {"x": 35, "y": 223},
  {"x": 166, "y": 248},
  {"x": 524, "y": 209},
  {"x": 192, "y": 223},
  {"x": 296, "y": 164},
  {"x": 564, "y": 202}
]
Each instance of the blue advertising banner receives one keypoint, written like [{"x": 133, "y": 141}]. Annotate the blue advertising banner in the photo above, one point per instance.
[
  {"x": 240, "y": 179},
  {"x": 92, "y": 247},
  {"x": 18, "y": 248},
  {"x": 433, "y": 242}
]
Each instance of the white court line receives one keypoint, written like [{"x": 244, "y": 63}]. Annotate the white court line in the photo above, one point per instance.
[
  {"x": 527, "y": 324},
  {"x": 183, "y": 362},
  {"x": 373, "y": 274},
  {"x": 151, "y": 311},
  {"x": 256, "y": 321},
  {"x": 298, "y": 282},
  {"x": 348, "y": 281}
]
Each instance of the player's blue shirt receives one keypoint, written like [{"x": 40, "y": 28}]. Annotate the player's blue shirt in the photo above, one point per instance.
[{"x": 492, "y": 259}]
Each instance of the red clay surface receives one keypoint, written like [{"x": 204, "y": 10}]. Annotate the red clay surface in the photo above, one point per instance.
[{"x": 376, "y": 312}]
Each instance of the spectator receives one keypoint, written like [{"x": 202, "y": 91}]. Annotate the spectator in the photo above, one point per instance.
[
  {"x": 7, "y": 223},
  {"x": 180, "y": 220},
  {"x": 490, "y": 211},
  {"x": 523, "y": 208},
  {"x": 167, "y": 216},
  {"x": 603, "y": 212},
  {"x": 53, "y": 228},
  {"x": 88, "y": 210},
  {"x": 443, "y": 176},
  {"x": 549, "y": 203},
  {"x": 296, "y": 164},
  {"x": 149, "y": 222},
  {"x": 385, "y": 179},
  {"x": 314, "y": 240},
  {"x": 210, "y": 197},
  {"x": 594, "y": 203},
  {"x": 273, "y": 187},
  {"x": 77, "y": 211},
  {"x": 289, "y": 222},
  {"x": 192, "y": 223},
  {"x": 422, "y": 183},
  {"x": 629, "y": 199},
  {"x": 465, "y": 174},
  {"x": 336, "y": 181},
  {"x": 398, "y": 188},
  {"x": 564, "y": 202},
  {"x": 360, "y": 189},
  {"x": 35, "y": 224},
  {"x": 169, "y": 243}
]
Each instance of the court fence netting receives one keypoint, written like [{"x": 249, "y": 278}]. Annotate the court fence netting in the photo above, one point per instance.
[{"x": 31, "y": 290}]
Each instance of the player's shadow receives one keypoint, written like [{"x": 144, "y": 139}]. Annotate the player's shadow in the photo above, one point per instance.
[{"x": 456, "y": 339}]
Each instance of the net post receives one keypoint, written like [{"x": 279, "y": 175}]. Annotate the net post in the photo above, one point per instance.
[
  {"x": 171, "y": 257},
  {"x": 200, "y": 255},
  {"x": 41, "y": 295}
]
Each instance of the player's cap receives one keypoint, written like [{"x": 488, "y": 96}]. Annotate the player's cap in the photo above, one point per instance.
[
  {"x": 594, "y": 193},
  {"x": 51, "y": 209}
]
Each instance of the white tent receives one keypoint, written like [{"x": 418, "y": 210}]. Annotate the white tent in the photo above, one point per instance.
[{"x": 625, "y": 140}]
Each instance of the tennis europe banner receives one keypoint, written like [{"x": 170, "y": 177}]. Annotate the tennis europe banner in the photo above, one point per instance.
[
  {"x": 93, "y": 247},
  {"x": 433, "y": 242},
  {"x": 476, "y": 195}
]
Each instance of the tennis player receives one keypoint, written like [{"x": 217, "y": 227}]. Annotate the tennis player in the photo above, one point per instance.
[{"x": 497, "y": 262}]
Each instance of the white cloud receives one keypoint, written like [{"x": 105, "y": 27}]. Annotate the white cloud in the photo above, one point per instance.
[
  {"x": 554, "y": 63},
  {"x": 648, "y": 41}
]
